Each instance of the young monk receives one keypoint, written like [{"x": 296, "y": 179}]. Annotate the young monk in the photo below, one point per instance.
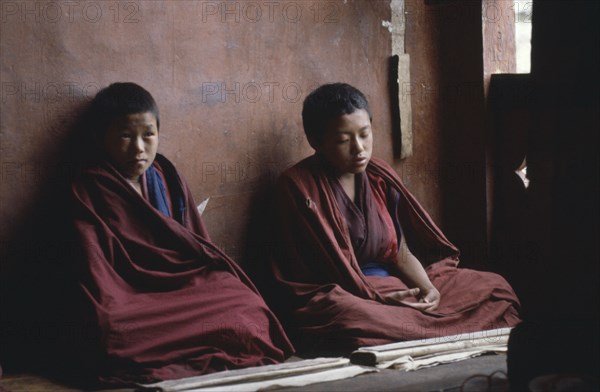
[
  {"x": 167, "y": 303},
  {"x": 353, "y": 243}
]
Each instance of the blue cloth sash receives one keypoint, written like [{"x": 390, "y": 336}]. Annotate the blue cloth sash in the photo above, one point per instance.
[{"x": 157, "y": 193}]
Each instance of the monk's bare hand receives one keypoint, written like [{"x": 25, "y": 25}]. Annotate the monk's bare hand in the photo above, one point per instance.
[
  {"x": 424, "y": 299},
  {"x": 403, "y": 294},
  {"x": 429, "y": 299}
]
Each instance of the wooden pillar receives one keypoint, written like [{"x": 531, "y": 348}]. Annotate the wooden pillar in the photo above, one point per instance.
[{"x": 499, "y": 57}]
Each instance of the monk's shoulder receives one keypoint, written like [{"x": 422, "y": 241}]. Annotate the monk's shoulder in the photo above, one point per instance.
[
  {"x": 381, "y": 164},
  {"x": 300, "y": 172},
  {"x": 302, "y": 180}
]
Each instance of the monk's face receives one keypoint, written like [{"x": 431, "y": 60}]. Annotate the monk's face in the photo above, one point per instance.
[
  {"x": 131, "y": 143},
  {"x": 348, "y": 142}
]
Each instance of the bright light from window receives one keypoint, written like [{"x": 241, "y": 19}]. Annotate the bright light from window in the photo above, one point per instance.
[
  {"x": 522, "y": 173},
  {"x": 523, "y": 13}
]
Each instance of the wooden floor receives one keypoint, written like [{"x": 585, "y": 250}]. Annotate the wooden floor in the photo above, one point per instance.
[{"x": 473, "y": 374}]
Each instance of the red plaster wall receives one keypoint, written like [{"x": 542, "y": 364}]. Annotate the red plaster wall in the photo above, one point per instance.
[{"x": 229, "y": 78}]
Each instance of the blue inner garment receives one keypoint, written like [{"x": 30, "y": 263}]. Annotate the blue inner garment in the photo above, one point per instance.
[{"x": 375, "y": 269}]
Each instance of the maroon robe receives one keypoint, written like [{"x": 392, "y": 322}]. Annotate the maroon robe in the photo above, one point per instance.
[
  {"x": 331, "y": 304},
  {"x": 166, "y": 301}
]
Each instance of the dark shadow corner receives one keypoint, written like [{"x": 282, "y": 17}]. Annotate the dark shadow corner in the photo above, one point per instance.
[{"x": 41, "y": 331}]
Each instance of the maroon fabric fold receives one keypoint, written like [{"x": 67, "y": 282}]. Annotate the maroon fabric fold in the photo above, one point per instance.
[
  {"x": 369, "y": 225},
  {"x": 166, "y": 301},
  {"x": 331, "y": 304}
]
